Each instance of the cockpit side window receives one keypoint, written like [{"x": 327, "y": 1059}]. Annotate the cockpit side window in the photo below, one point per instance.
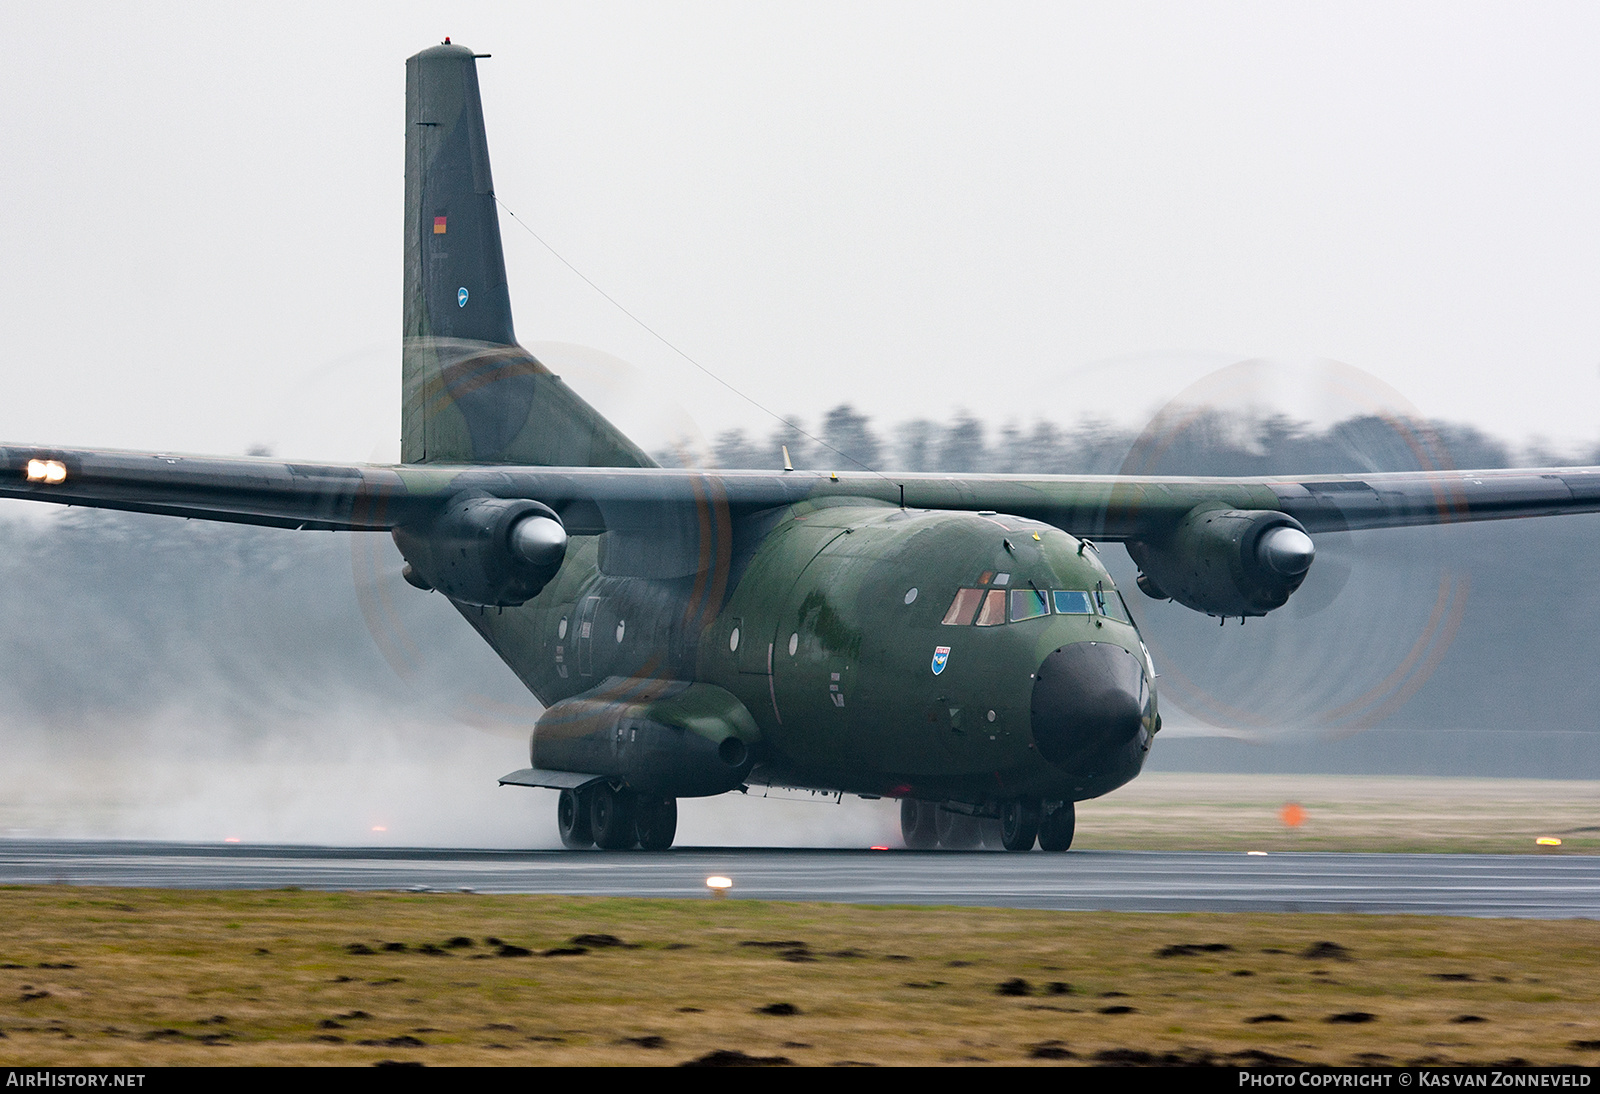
[
  {"x": 962, "y": 607},
  {"x": 1028, "y": 604},
  {"x": 1072, "y": 603},
  {"x": 994, "y": 608},
  {"x": 1111, "y": 605}
]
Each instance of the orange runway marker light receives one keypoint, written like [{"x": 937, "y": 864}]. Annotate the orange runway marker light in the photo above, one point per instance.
[
  {"x": 718, "y": 885},
  {"x": 1292, "y": 815},
  {"x": 1548, "y": 841}
]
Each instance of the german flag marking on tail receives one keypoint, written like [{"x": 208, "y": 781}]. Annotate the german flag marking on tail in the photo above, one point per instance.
[{"x": 438, "y": 226}]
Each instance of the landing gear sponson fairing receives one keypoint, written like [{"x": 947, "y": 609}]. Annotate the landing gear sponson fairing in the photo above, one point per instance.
[{"x": 949, "y": 640}]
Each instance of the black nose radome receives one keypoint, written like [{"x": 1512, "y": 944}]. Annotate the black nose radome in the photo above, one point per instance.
[{"x": 1088, "y": 697}]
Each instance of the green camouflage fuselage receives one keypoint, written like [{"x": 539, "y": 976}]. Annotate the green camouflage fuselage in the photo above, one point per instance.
[{"x": 826, "y": 632}]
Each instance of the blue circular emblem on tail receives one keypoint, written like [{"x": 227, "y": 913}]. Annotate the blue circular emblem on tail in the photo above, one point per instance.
[{"x": 461, "y": 298}]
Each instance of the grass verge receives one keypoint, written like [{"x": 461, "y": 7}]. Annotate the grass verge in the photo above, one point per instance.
[{"x": 148, "y": 977}]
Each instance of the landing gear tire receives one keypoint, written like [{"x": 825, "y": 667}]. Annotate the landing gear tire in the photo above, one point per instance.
[
  {"x": 655, "y": 822},
  {"x": 611, "y": 818},
  {"x": 918, "y": 825},
  {"x": 572, "y": 820},
  {"x": 1019, "y": 825},
  {"x": 1056, "y": 827},
  {"x": 957, "y": 831},
  {"x": 989, "y": 831}
]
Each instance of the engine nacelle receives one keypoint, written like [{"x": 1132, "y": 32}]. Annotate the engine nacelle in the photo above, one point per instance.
[
  {"x": 496, "y": 552},
  {"x": 1226, "y": 562}
]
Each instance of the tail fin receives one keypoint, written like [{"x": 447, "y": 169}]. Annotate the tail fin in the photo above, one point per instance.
[{"x": 471, "y": 393}]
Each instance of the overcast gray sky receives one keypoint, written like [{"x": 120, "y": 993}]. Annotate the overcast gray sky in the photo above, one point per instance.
[{"x": 1024, "y": 210}]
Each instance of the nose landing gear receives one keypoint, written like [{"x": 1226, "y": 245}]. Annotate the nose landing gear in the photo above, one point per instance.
[
  {"x": 1021, "y": 823},
  {"x": 1051, "y": 823},
  {"x": 1057, "y": 826}
]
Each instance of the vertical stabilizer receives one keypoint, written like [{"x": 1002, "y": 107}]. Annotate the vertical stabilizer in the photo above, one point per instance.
[
  {"x": 471, "y": 394},
  {"x": 455, "y": 269}
]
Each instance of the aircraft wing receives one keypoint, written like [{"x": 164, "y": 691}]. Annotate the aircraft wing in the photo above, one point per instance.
[
  {"x": 343, "y": 497},
  {"x": 356, "y": 497}
]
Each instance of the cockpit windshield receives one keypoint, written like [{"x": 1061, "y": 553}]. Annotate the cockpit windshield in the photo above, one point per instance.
[
  {"x": 1073, "y": 602},
  {"x": 1111, "y": 605},
  {"x": 1028, "y": 604},
  {"x": 992, "y": 607}
]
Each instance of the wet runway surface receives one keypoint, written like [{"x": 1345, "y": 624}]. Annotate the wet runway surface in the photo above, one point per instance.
[{"x": 1530, "y": 886}]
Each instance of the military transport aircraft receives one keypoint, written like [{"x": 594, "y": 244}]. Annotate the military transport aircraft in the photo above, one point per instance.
[{"x": 951, "y": 641}]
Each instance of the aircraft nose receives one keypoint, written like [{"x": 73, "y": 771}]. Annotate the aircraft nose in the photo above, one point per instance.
[{"x": 1089, "y": 697}]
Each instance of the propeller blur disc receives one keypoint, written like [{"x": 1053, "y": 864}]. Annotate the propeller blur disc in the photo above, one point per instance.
[{"x": 1377, "y": 610}]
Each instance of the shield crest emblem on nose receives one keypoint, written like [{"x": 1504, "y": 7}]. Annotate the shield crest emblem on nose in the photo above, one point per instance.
[
  {"x": 941, "y": 655},
  {"x": 461, "y": 297}
]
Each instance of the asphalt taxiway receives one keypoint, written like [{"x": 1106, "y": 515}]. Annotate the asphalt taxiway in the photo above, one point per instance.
[{"x": 1528, "y": 886}]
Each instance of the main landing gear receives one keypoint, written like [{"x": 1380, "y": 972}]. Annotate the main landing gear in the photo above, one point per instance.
[
  {"x": 615, "y": 820},
  {"x": 1022, "y": 823}
]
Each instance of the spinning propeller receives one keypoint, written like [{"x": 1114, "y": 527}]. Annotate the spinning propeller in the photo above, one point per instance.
[{"x": 1377, "y": 610}]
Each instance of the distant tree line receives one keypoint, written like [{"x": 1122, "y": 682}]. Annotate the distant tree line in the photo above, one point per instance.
[{"x": 1209, "y": 442}]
